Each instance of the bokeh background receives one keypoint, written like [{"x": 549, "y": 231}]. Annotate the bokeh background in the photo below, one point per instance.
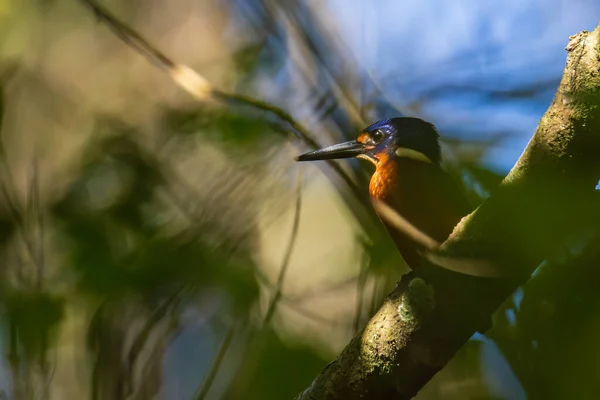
[{"x": 154, "y": 246}]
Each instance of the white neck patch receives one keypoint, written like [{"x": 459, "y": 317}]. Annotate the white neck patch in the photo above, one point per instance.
[
  {"x": 412, "y": 154},
  {"x": 368, "y": 158}
]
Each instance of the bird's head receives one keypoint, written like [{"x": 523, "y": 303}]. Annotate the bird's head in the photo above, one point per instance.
[{"x": 392, "y": 138}]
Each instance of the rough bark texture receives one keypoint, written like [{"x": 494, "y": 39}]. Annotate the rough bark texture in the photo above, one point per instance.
[{"x": 433, "y": 312}]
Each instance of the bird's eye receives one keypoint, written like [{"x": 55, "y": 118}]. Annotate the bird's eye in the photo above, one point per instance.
[{"x": 377, "y": 136}]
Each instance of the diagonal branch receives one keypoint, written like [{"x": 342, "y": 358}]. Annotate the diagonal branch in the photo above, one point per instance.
[
  {"x": 217, "y": 363},
  {"x": 433, "y": 311},
  {"x": 197, "y": 86},
  {"x": 288, "y": 255}
]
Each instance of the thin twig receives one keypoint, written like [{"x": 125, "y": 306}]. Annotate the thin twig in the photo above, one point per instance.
[
  {"x": 216, "y": 365},
  {"x": 7, "y": 187},
  {"x": 290, "y": 302},
  {"x": 288, "y": 254},
  {"x": 293, "y": 303},
  {"x": 17, "y": 216},
  {"x": 340, "y": 91},
  {"x": 37, "y": 228},
  {"x": 199, "y": 87},
  {"x": 141, "y": 339},
  {"x": 130, "y": 37},
  {"x": 295, "y": 31}
]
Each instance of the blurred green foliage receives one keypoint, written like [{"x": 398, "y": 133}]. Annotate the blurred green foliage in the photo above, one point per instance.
[
  {"x": 116, "y": 249},
  {"x": 240, "y": 132},
  {"x": 122, "y": 245},
  {"x": 274, "y": 369}
]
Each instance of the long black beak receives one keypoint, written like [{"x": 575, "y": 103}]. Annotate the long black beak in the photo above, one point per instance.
[{"x": 341, "y": 150}]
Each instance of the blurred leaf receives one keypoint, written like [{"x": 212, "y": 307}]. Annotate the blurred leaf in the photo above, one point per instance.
[
  {"x": 46, "y": 5},
  {"x": 164, "y": 263},
  {"x": 34, "y": 318},
  {"x": 108, "y": 262},
  {"x": 116, "y": 250},
  {"x": 7, "y": 228},
  {"x": 273, "y": 369},
  {"x": 241, "y": 133},
  {"x": 558, "y": 304}
]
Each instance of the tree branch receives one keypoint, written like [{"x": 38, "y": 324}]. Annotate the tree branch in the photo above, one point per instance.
[
  {"x": 199, "y": 88},
  {"x": 433, "y": 312}
]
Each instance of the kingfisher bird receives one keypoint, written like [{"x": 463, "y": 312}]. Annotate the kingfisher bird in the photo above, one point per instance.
[{"x": 408, "y": 179}]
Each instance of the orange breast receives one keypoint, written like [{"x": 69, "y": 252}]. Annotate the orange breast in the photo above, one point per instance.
[{"x": 423, "y": 194}]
